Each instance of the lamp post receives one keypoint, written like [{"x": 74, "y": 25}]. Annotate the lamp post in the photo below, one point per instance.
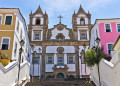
[
  {"x": 20, "y": 52},
  {"x": 84, "y": 45},
  {"x": 34, "y": 53},
  {"x": 39, "y": 63},
  {"x": 98, "y": 41}
]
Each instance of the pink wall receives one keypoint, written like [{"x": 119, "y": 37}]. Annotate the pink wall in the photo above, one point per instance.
[{"x": 108, "y": 37}]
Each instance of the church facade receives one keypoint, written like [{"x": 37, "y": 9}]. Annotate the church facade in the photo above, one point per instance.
[{"x": 58, "y": 52}]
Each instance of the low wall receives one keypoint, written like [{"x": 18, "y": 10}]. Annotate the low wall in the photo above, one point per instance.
[
  {"x": 109, "y": 73},
  {"x": 9, "y": 74}
]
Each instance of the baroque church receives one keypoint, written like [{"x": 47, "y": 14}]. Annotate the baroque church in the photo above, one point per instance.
[{"x": 59, "y": 52}]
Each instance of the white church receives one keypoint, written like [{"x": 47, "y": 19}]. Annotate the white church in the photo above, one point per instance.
[{"x": 58, "y": 52}]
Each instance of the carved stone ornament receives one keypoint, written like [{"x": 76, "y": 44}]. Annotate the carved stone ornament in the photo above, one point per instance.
[
  {"x": 60, "y": 49},
  {"x": 60, "y": 28}
]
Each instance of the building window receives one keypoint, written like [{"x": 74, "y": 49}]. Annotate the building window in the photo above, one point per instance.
[
  {"x": 50, "y": 60},
  {"x": 110, "y": 48},
  {"x": 82, "y": 21},
  {"x": 18, "y": 26},
  {"x": 38, "y": 21},
  {"x": 36, "y": 60},
  {"x": 5, "y": 43},
  {"x": 70, "y": 60},
  {"x": 107, "y": 26},
  {"x": 60, "y": 60},
  {"x": 0, "y": 20},
  {"x": 83, "y": 36},
  {"x": 15, "y": 48},
  {"x": 118, "y": 26},
  {"x": 37, "y": 35},
  {"x": 8, "y": 20}
]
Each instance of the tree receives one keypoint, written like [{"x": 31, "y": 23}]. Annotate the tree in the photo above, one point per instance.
[{"x": 91, "y": 56}]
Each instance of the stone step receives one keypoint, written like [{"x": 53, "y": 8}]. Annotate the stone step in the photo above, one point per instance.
[{"x": 59, "y": 82}]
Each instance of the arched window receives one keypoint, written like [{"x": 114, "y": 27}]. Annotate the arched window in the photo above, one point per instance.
[
  {"x": 37, "y": 21},
  {"x": 82, "y": 21}
]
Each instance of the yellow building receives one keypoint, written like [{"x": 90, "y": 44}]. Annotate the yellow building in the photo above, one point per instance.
[{"x": 12, "y": 30}]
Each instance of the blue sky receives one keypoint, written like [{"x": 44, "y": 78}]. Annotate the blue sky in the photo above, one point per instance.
[{"x": 100, "y": 9}]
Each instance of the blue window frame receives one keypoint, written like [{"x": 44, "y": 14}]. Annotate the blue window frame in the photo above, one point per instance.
[
  {"x": 50, "y": 59},
  {"x": 70, "y": 60},
  {"x": 60, "y": 61},
  {"x": 36, "y": 60},
  {"x": 118, "y": 27}
]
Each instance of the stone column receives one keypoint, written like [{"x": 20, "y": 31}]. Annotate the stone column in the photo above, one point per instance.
[
  {"x": 77, "y": 61},
  {"x": 43, "y": 61}
]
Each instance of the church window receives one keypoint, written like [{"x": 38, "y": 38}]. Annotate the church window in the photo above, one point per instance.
[
  {"x": 38, "y": 21},
  {"x": 8, "y": 20},
  {"x": 109, "y": 48},
  {"x": 82, "y": 21},
  {"x": 5, "y": 43},
  {"x": 0, "y": 20},
  {"x": 36, "y": 60},
  {"x": 50, "y": 60},
  {"x": 83, "y": 36},
  {"x": 70, "y": 60},
  {"x": 107, "y": 26},
  {"x": 118, "y": 26},
  {"x": 60, "y": 60},
  {"x": 37, "y": 35}
]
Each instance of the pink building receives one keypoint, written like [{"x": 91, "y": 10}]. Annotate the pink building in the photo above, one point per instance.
[{"x": 107, "y": 30}]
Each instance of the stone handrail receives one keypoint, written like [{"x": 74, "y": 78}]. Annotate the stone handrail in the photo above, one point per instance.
[{"x": 9, "y": 73}]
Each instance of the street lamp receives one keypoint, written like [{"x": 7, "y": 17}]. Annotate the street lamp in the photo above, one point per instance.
[
  {"x": 20, "y": 52},
  {"x": 98, "y": 41},
  {"x": 34, "y": 53},
  {"x": 39, "y": 62},
  {"x": 83, "y": 53}
]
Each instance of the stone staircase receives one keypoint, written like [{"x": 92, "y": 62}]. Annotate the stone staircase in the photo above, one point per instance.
[{"x": 59, "y": 82}]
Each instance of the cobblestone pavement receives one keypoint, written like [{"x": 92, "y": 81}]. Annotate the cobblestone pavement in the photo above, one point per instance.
[{"x": 60, "y": 82}]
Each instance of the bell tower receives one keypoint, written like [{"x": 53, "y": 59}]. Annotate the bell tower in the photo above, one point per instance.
[
  {"x": 38, "y": 25},
  {"x": 81, "y": 22}
]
